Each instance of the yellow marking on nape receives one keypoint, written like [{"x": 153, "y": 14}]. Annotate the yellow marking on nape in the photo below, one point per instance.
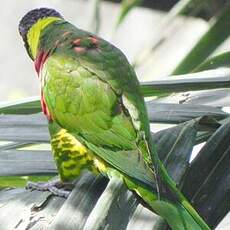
[{"x": 33, "y": 35}]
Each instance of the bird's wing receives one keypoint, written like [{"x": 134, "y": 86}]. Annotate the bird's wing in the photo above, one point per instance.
[
  {"x": 90, "y": 109},
  {"x": 111, "y": 66},
  {"x": 105, "y": 61}
]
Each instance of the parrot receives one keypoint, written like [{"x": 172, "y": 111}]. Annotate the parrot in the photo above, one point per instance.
[{"x": 97, "y": 119}]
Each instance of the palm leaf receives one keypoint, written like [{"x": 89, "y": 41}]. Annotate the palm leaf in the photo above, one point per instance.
[
  {"x": 207, "y": 44},
  {"x": 212, "y": 201},
  {"x": 213, "y": 79},
  {"x": 178, "y": 113},
  {"x": 183, "y": 138},
  {"x": 96, "y": 19},
  {"x": 222, "y": 60},
  {"x": 182, "y": 7},
  {"x": 126, "y": 6},
  {"x": 25, "y": 106}
]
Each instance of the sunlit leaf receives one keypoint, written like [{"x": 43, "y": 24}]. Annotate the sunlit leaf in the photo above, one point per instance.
[
  {"x": 24, "y": 128},
  {"x": 177, "y": 113},
  {"x": 96, "y": 19},
  {"x": 20, "y": 181},
  {"x": 212, "y": 79},
  {"x": 174, "y": 147},
  {"x": 25, "y": 106},
  {"x": 222, "y": 60},
  {"x": 182, "y": 7},
  {"x": 23, "y": 163},
  {"x": 126, "y": 6},
  {"x": 209, "y": 177},
  {"x": 217, "y": 33},
  {"x": 215, "y": 97}
]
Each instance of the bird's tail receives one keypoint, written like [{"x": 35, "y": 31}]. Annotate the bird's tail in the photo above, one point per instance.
[
  {"x": 179, "y": 214},
  {"x": 159, "y": 193},
  {"x": 168, "y": 201}
]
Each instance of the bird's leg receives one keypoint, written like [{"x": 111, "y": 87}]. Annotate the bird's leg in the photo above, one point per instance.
[{"x": 56, "y": 187}]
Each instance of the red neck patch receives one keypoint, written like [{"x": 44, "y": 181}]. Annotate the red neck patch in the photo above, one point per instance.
[
  {"x": 40, "y": 60},
  {"x": 45, "y": 109},
  {"x": 38, "y": 63}
]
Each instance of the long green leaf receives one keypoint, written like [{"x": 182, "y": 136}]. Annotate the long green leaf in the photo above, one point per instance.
[
  {"x": 182, "y": 7},
  {"x": 209, "y": 176},
  {"x": 189, "y": 7},
  {"x": 178, "y": 113},
  {"x": 217, "y": 33},
  {"x": 24, "y": 128},
  {"x": 126, "y": 6},
  {"x": 222, "y": 60},
  {"x": 197, "y": 81},
  {"x": 212, "y": 79},
  {"x": 83, "y": 198},
  {"x": 96, "y": 19},
  {"x": 184, "y": 134},
  {"x": 21, "y": 181},
  {"x": 23, "y": 106},
  {"x": 174, "y": 146},
  {"x": 215, "y": 97},
  {"x": 114, "y": 202},
  {"x": 23, "y": 163}
]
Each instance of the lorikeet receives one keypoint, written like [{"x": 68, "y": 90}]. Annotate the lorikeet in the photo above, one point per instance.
[{"x": 97, "y": 116}]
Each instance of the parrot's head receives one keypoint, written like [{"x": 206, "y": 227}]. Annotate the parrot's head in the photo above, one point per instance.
[{"x": 32, "y": 24}]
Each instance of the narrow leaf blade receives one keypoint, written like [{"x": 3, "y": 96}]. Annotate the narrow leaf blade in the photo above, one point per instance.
[
  {"x": 222, "y": 60},
  {"x": 217, "y": 33}
]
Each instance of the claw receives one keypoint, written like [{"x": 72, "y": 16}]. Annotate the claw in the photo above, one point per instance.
[{"x": 56, "y": 187}]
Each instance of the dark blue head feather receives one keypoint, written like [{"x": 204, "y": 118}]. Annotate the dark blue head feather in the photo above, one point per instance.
[{"x": 32, "y": 17}]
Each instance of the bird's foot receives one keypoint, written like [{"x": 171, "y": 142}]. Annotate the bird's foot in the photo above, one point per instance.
[{"x": 56, "y": 187}]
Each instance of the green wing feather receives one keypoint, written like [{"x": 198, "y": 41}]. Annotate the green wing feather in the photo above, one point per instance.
[
  {"x": 87, "y": 106},
  {"x": 84, "y": 104},
  {"x": 100, "y": 58}
]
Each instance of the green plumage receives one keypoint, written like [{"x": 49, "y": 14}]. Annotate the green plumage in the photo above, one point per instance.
[
  {"x": 84, "y": 95},
  {"x": 86, "y": 105},
  {"x": 81, "y": 99},
  {"x": 98, "y": 118}
]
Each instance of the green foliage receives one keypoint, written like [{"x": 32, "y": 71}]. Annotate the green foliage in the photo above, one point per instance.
[
  {"x": 214, "y": 37},
  {"x": 20, "y": 181},
  {"x": 26, "y": 106},
  {"x": 189, "y": 82},
  {"x": 96, "y": 19},
  {"x": 126, "y": 7},
  {"x": 222, "y": 60}
]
